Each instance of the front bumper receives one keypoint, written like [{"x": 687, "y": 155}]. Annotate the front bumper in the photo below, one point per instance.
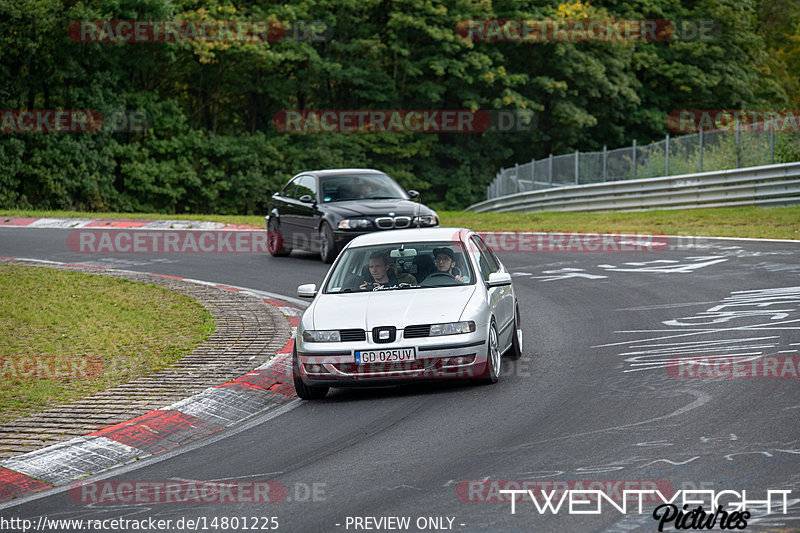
[{"x": 437, "y": 358}]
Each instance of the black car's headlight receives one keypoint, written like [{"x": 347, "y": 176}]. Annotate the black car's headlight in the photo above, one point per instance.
[
  {"x": 452, "y": 328},
  {"x": 355, "y": 223},
  {"x": 321, "y": 335},
  {"x": 428, "y": 220}
]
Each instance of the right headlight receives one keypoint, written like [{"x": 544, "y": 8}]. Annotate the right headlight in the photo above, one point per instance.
[
  {"x": 355, "y": 223},
  {"x": 452, "y": 328}
]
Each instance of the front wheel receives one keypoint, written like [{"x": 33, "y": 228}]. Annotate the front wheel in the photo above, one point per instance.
[
  {"x": 516, "y": 342},
  {"x": 305, "y": 392},
  {"x": 327, "y": 246},
  {"x": 493, "y": 358}
]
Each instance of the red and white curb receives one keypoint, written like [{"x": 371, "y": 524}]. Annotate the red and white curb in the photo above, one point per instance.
[
  {"x": 263, "y": 388},
  {"x": 76, "y": 223}
]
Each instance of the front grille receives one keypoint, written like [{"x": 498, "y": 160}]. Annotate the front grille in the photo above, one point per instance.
[
  {"x": 418, "y": 330},
  {"x": 396, "y": 222},
  {"x": 384, "y": 223},
  {"x": 348, "y": 335},
  {"x": 376, "y": 334},
  {"x": 402, "y": 222}
]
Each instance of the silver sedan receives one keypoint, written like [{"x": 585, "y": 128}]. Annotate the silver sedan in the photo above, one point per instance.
[{"x": 407, "y": 305}]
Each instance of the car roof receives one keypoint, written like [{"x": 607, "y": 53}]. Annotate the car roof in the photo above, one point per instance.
[
  {"x": 336, "y": 171},
  {"x": 397, "y": 236}
]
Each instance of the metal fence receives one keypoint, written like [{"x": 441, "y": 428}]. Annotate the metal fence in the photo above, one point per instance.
[{"x": 698, "y": 152}]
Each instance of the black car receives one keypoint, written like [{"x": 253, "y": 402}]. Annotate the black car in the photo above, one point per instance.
[{"x": 321, "y": 210}]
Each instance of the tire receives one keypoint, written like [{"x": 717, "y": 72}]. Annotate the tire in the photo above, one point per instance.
[
  {"x": 515, "y": 352},
  {"x": 494, "y": 359},
  {"x": 276, "y": 245},
  {"x": 327, "y": 244},
  {"x": 305, "y": 392}
]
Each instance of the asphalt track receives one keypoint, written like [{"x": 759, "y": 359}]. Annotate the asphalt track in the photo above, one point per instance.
[{"x": 590, "y": 400}]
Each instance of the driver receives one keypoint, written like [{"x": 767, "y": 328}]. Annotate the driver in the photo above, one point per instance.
[
  {"x": 382, "y": 274},
  {"x": 446, "y": 262}
]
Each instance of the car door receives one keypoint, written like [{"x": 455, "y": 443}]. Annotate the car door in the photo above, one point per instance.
[
  {"x": 501, "y": 299},
  {"x": 307, "y": 213}
]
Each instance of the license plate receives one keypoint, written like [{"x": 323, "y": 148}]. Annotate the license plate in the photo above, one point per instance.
[{"x": 387, "y": 355}]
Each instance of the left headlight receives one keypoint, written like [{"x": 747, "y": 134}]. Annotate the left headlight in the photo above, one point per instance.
[
  {"x": 452, "y": 328},
  {"x": 428, "y": 220},
  {"x": 355, "y": 223},
  {"x": 321, "y": 335}
]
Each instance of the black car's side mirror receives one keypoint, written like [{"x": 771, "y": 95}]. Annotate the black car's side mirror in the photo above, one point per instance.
[
  {"x": 413, "y": 194},
  {"x": 307, "y": 199}
]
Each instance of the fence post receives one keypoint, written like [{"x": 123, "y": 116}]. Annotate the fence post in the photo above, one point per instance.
[
  {"x": 701, "y": 149},
  {"x": 736, "y": 125},
  {"x": 634, "y": 159},
  {"x": 666, "y": 153},
  {"x": 533, "y": 174},
  {"x": 577, "y": 181},
  {"x": 550, "y": 170},
  {"x": 772, "y": 140},
  {"x": 605, "y": 163},
  {"x": 516, "y": 176}
]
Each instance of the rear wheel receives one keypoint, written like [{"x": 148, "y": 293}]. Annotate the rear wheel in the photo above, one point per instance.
[
  {"x": 327, "y": 246},
  {"x": 275, "y": 243},
  {"x": 493, "y": 358},
  {"x": 305, "y": 392}
]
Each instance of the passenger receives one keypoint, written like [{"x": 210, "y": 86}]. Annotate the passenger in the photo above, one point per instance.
[{"x": 446, "y": 262}]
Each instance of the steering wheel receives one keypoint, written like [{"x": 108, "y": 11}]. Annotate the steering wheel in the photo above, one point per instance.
[{"x": 441, "y": 274}]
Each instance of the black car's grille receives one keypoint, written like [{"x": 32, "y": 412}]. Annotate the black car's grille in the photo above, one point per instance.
[
  {"x": 418, "y": 330},
  {"x": 348, "y": 335}
]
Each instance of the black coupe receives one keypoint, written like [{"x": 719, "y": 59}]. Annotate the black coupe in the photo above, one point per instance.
[{"x": 321, "y": 210}]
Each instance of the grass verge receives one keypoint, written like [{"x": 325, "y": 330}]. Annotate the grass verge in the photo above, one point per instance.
[
  {"x": 64, "y": 335},
  {"x": 756, "y": 222}
]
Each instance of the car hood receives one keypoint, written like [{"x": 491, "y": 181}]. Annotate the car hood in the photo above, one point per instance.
[
  {"x": 377, "y": 207},
  {"x": 399, "y": 308}
]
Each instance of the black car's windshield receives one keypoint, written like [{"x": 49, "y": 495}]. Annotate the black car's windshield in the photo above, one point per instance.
[
  {"x": 403, "y": 266},
  {"x": 360, "y": 187}
]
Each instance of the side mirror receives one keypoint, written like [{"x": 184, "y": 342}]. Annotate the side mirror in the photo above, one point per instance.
[
  {"x": 413, "y": 194},
  {"x": 309, "y": 290},
  {"x": 498, "y": 279},
  {"x": 307, "y": 199}
]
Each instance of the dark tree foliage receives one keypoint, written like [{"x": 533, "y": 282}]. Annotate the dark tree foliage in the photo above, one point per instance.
[{"x": 210, "y": 144}]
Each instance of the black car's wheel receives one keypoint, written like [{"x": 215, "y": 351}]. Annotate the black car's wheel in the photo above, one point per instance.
[
  {"x": 493, "y": 358},
  {"x": 516, "y": 342},
  {"x": 327, "y": 246},
  {"x": 276, "y": 245},
  {"x": 305, "y": 392}
]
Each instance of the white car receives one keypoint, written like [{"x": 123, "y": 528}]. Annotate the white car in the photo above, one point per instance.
[{"x": 409, "y": 304}]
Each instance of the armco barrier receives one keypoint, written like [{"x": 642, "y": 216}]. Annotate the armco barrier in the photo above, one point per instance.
[{"x": 769, "y": 185}]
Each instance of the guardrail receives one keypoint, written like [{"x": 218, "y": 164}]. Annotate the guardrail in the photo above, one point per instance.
[{"x": 769, "y": 185}]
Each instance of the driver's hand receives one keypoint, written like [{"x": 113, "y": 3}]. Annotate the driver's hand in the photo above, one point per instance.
[
  {"x": 459, "y": 279},
  {"x": 363, "y": 286}
]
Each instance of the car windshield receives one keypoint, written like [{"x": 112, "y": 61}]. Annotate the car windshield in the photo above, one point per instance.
[
  {"x": 360, "y": 187},
  {"x": 411, "y": 265}
]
